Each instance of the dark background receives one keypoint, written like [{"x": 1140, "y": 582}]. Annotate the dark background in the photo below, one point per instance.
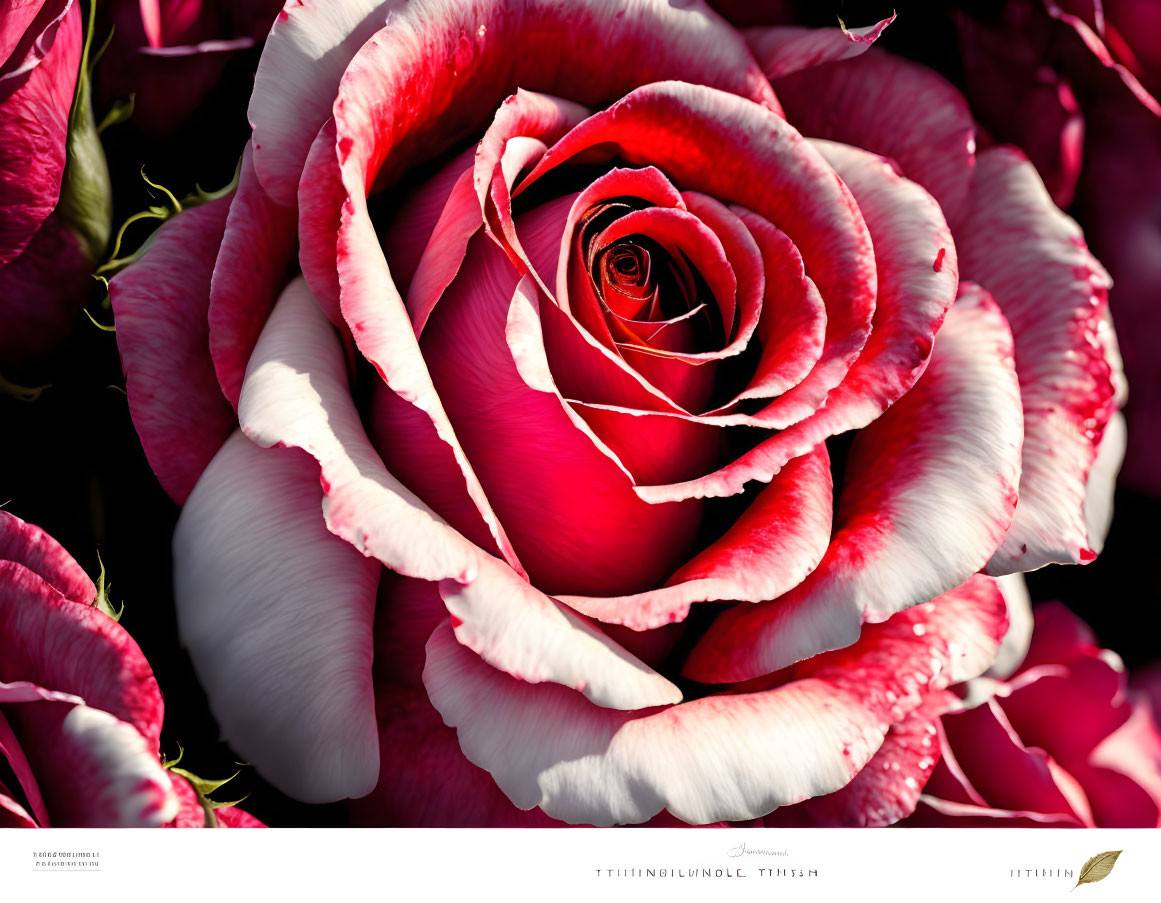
[{"x": 71, "y": 462}]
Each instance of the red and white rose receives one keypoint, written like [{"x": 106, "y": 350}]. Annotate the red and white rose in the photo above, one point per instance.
[
  {"x": 554, "y": 333},
  {"x": 80, "y": 710}
]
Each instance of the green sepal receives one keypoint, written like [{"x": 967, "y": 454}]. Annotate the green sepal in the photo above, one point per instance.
[
  {"x": 102, "y": 602},
  {"x": 98, "y": 324},
  {"x": 19, "y": 392},
  {"x": 121, "y": 111},
  {"x": 86, "y": 198},
  {"x": 159, "y": 212},
  {"x": 203, "y": 787},
  {"x": 167, "y": 764}
]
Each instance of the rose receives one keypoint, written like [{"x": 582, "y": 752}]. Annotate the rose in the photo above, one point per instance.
[
  {"x": 552, "y": 497},
  {"x": 1063, "y": 741},
  {"x": 169, "y": 53},
  {"x": 54, "y": 218},
  {"x": 80, "y": 711},
  {"x": 1075, "y": 85}
]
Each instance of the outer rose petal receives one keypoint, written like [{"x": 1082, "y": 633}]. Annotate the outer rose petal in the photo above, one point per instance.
[
  {"x": 32, "y": 547},
  {"x": 893, "y": 107},
  {"x": 296, "y": 394},
  {"x": 437, "y": 787},
  {"x": 886, "y": 790},
  {"x": 1067, "y": 379},
  {"x": 309, "y": 54},
  {"x": 33, "y": 127},
  {"x": 94, "y": 770},
  {"x": 789, "y": 49},
  {"x": 276, "y": 613},
  {"x": 160, "y": 304},
  {"x": 924, "y": 507},
  {"x": 733, "y": 756},
  {"x": 75, "y": 648}
]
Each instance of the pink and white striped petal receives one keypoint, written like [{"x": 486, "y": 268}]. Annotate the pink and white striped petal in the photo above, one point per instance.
[
  {"x": 306, "y": 52},
  {"x": 296, "y": 394},
  {"x": 93, "y": 770},
  {"x": 768, "y": 551},
  {"x": 72, "y": 647},
  {"x": 1032, "y": 259},
  {"x": 885, "y": 791},
  {"x": 730, "y": 757},
  {"x": 929, "y": 494}
]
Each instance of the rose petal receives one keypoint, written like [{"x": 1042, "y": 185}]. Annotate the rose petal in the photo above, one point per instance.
[
  {"x": 1008, "y": 772},
  {"x": 296, "y": 394},
  {"x": 893, "y": 107},
  {"x": 784, "y": 51},
  {"x": 775, "y": 543},
  {"x": 32, "y": 547},
  {"x": 94, "y": 770},
  {"x": 242, "y": 294},
  {"x": 160, "y": 304},
  {"x": 886, "y": 790},
  {"x": 74, "y": 648},
  {"x": 923, "y": 508},
  {"x": 276, "y": 613},
  {"x": 36, "y": 92},
  {"x": 1055, "y": 308},
  {"x": 311, "y": 46},
  {"x": 726, "y": 757}
]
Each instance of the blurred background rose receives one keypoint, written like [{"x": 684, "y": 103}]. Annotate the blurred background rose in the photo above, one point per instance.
[{"x": 170, "y": 54}]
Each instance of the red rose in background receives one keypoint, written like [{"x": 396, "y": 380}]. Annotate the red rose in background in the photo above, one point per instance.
[
  {"x": 80, "y": 712},
  {"x": 170, "y": 53},
  {"x": 54, "y": 187},
  {"x": 601, "y": 307},
  {"x": 1075, "y": 85},
  {"x": 1063, "y": 742}
]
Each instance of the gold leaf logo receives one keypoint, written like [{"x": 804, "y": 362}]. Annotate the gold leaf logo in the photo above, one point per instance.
[{"x": 1097, "y": 868}]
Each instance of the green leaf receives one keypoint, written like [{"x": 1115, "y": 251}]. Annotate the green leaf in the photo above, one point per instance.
[{"x": 1097, "y": 868}]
